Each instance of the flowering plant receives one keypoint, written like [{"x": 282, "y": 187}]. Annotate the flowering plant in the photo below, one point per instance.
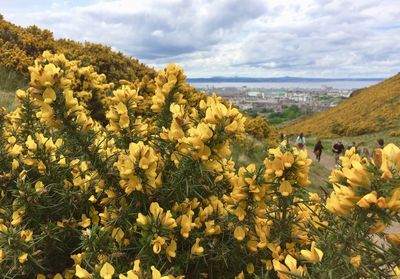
[{"x": 145, "y": 187}]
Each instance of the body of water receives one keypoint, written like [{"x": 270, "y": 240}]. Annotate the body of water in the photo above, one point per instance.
[{"x": 310, "y": 85}]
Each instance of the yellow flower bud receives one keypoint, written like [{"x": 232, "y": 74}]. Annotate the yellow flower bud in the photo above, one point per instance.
[
  {"x": 239, "y": 233},
  {"x": 197, "y": 249},
  {"x": 23, "y": 258},
  {"x": 356, "y": 261},
  {"x": 285, "y": 188},
  {"x": 250, "y": 268}
]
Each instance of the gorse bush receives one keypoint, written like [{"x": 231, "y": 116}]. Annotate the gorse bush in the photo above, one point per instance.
[
  {"x": 260, "y": 129},
  {"x": 19, "y": 47},
  {"x": 147, "y": 189}
]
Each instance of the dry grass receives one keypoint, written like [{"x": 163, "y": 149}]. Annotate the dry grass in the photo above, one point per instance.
[{"x": 7, "y": 100}]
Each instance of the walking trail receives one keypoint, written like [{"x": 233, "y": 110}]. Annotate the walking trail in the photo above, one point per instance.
[{"x": 327, "y": 160}]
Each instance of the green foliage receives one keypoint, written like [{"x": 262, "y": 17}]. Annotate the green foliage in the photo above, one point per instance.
[
  {"x": 288, "y": 113},
  {"x": 251, "y": 112},
  {"x": 267, "y": 110},
  {"x": 249, "y": 151},
  {"x": 11, "y": 80}
]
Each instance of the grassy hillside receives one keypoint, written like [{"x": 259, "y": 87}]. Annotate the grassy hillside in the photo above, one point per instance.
[
  {"x": 10, "y": 81},
  {"x": 370, "y": 110}
]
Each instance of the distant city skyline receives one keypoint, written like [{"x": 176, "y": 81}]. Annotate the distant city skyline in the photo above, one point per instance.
[{"x": 254, "y": 38}]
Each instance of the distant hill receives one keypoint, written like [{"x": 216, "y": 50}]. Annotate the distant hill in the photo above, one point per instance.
[
  {"x": 277, "y": 79},
  {"x": 371, "y": 109}
]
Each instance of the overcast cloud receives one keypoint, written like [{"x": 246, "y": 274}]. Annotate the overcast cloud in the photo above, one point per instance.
[{"x": 313, "y": 38}]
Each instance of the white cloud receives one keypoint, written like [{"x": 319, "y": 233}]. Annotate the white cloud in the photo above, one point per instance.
[{"x": 340, "y": 38}]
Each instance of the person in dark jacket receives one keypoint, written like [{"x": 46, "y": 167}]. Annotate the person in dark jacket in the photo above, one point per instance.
[
  {"x": 318, "y": 150},
  {"x": 338, "y": 149},
  {"x": 381, "y": 143}
]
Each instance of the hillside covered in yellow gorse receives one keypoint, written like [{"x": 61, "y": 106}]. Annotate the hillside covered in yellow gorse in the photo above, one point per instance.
[
  {"x": 19, "y": 47},
  {"x": 368, "y": 110}
]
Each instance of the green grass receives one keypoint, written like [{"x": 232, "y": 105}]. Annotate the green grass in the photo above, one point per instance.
[
  {"x": 10, "y": 81},
  {"x": 7, "y": 100},
  {"x": 318, "y": 176},
  {"x": 252, "y": 152}
]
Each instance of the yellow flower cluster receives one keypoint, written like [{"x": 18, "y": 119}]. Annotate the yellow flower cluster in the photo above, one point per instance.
[
  {"x": 62, "y": 90},
  {"x": 355, "y": 182},
  {"x": 259, "y": 128},
  {"x": 138, "y": 168},
  {"x": 266, "y": 201},
  {"x": 168, "y": 81},
  {"x": 292, "y": 164},
  {"x": 125, "y": 101},
  {"x": 195, "y": 131}
]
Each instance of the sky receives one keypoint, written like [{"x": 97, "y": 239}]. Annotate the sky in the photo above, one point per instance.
[{"x": 249, "y": 38}]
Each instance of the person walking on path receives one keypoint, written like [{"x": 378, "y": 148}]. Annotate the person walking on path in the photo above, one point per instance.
[
  {"x": 365, "y": 153},
  {"x": 300, "y": 141},
  {"x": 381, "y": 143},
  {"x": 338, "y": 149},
  {"x": 318, "y": 150},
  {"x": 356, "y": 147}
]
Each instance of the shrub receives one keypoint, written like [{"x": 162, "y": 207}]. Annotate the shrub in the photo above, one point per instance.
[{"x": 152, "y": 190}]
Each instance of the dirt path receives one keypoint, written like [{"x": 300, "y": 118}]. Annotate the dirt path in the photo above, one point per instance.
[{"x": 327, "y": 160}]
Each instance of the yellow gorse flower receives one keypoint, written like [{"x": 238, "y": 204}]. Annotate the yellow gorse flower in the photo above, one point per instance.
[
  {"x": 107, "y": 271},
  {"x": 356, "y": 261},
  {"x": 394, "y": 239},
  {"x": 197, "y": 249},
  {"x": 82, "y": 273},
  {"x": 27, "y": 235},
  {"x": 23, "y": 258},
  {"x": 314, "y": 254},
  {"x": 239, "y": 233},
  {"x": 390, "y": 161},
  {"x": 290, "y": 266}
]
